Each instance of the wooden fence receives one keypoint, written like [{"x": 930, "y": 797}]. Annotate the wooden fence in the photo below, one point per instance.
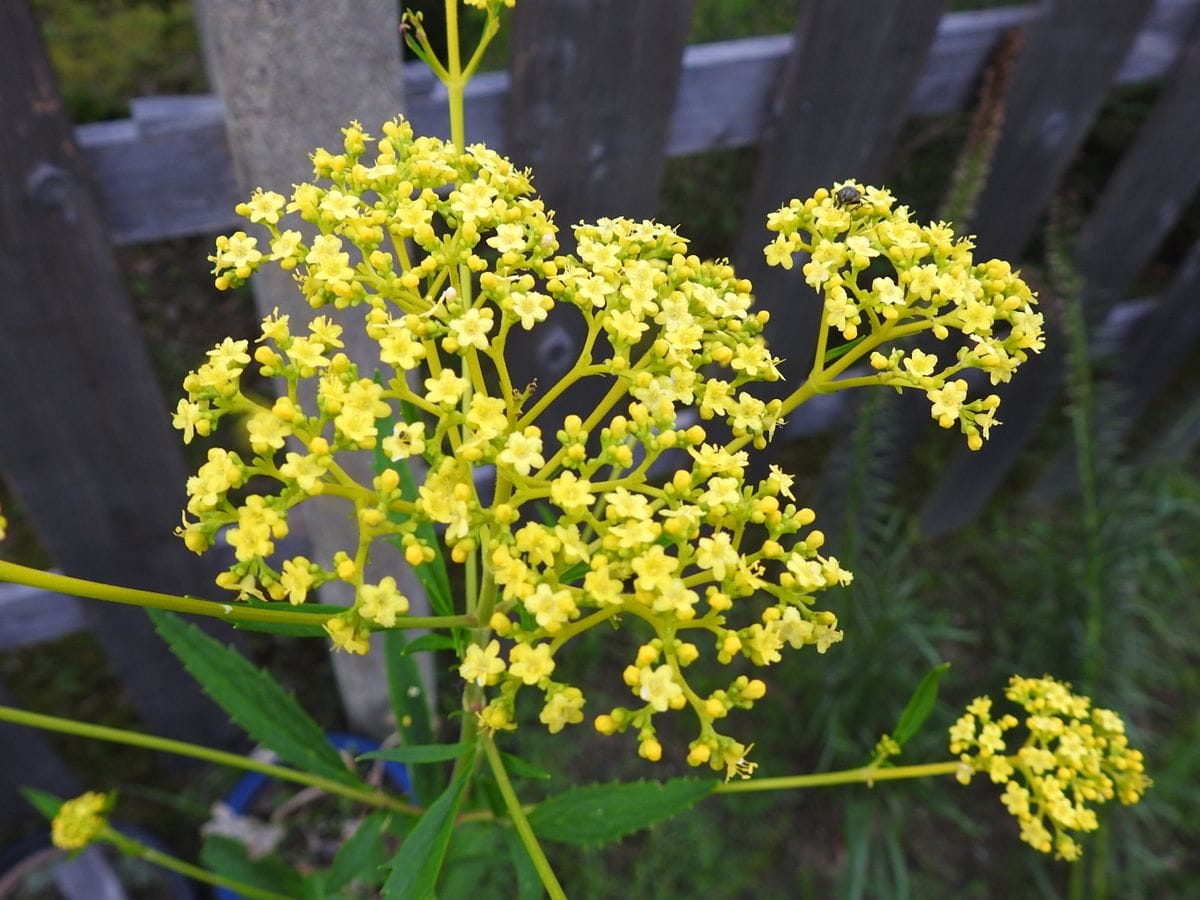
[{"x": 599, "y": 93}]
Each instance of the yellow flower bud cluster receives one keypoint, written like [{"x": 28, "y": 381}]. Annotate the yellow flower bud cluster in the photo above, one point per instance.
[
  {"x": 884, "y": 278},
  {"x": 1074, "y": 758},
  {"x": 80, "y": 821}
]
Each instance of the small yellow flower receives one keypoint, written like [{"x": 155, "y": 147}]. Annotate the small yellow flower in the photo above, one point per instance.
[{"x": 80, "y": 821}]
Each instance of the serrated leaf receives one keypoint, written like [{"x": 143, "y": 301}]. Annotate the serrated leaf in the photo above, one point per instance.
[
  {"x": 427, "y": 642},
  {"x": 422, "y": 753},
  {"x": 253, "y": 699},
  {"x": 521, "y": 768},
  {"x": 406, "y": 689},
  {"x": 47, "y": 804},
  {"x": 599, "y": 813},
  {"x": 920, "y": 705},
  {"x": 362, "y": 856},
  {"x": 414, "y": 869},
  {"x": 228, "y": 857}
]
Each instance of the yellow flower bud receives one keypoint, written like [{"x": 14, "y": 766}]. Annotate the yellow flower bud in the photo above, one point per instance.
[
  {"x": 414, "y": 555},
  {"x": 650, "y": 750},
  {"x": 605, "y": 724},
  {"x": 699, "y": 755}
]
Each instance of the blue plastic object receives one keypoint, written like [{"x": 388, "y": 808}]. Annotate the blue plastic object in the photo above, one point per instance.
[{"x": 244, "y": 792}]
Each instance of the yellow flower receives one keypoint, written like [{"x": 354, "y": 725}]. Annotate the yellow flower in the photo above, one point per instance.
[
  {"x": 80, "y": 821},
  {"x": 482, "y": 665},
  {"x": 382, "y": 603}
]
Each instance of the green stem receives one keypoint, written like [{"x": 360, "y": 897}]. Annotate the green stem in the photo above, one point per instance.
[
  {"x": 130, "y": 847},
  {"x": 227, "y": 612},
  {"x": 455, "y": 83},
  {"x": 98, "y": 590},
  {"x": 864, "y": 775},
  {"x": 1082, "y": 431},
  {"x": 196, "y": 751},
  {"x": 520, "y": 821}
]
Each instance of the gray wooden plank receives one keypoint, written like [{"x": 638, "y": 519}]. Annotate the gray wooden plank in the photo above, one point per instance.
[
  {"x": 87, "y": 445},
  {"x": 832, "y": 118},
  {"x": 1148, "y": 193},
  {"x": 1067, "y": 64},
  {"x": 1124, "y": 230},
  {"x": 589, "y": 104},
  {"x": 31, "y": 616},
  {"x": 29, "y": 761},
  {"x": 723, "y": 99}
]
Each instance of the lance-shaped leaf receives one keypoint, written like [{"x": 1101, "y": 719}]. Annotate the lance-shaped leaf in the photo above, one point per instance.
[
  {"x": 920, "y": 705},
  {"x": 599, "y": 813},
  {"x": 415, "y": 869},
  {"x": 253, "y": 699}
]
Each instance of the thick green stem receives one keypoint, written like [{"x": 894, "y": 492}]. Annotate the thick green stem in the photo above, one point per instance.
[
  {"x": 455, "y": 82},
  {"x": 196, "y": 751},
  {"x": 130, "y": 847},
  {"x": 520, "y": 821},
  {"x": 865, "y": 775}
]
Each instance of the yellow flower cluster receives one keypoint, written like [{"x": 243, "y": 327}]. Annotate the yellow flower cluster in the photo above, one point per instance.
[
  {"x": 446, "y": 253},
  {"x": 884, "y": 278},
  {"x": 1074, "y": 757},
  {"x": 3, "y": 524},
  {"x": 80, "y": 821}
]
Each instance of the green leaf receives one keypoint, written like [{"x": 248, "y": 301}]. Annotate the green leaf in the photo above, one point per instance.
[
  {"x": 574, "y": 573},
  {"x": 420, "y": 753},
  {"x": 529, "y": 882},
  {"x": 253, "y": 699},
  {"x": 843, "y": 349},
  {"x": 362, "y": 856},
  {"x": 599, "y": 813},
  {"x": 520, "y": 768},
  {"x": 428, "y": 642},
  {"x": 920, "y": 705},
  {"x": 414, "y": 870},
  {"x": 47, "y": 804},
  {"x": 228, "y": 857},
  {"x": 411, "y": 709}
]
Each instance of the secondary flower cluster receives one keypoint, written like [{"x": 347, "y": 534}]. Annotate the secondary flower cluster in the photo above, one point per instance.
[
  {"x": 446, "y": 254},
  {"x": 1074, "y": 757},
  {"x": 80, "y": 821},
  {"x": 884, "y": 278}
]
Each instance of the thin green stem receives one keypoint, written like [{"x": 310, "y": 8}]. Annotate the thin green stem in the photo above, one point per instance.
[
  {"x": 197, "y": 751},
  {"x": 520, "y": 821},
  {"x": 864, "y": 775},
  {"x": 111, "y": 593},
  {"x": 193, "y": 606},
  {"x": 130, "y": 847}
]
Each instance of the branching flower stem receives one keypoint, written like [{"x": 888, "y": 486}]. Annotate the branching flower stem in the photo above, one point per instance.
[{"x": 865, "y": 775}]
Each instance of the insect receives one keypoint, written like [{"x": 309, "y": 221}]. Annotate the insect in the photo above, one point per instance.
[{"x": 848, "y": 196}]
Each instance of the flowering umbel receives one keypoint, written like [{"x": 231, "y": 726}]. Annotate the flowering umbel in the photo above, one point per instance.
[
  {"x": 445, "y": 254},
  {"x": 884, "y": 277},
  {"x": 1074, "y": 757},
  {"x": 80, "y": 821}
]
